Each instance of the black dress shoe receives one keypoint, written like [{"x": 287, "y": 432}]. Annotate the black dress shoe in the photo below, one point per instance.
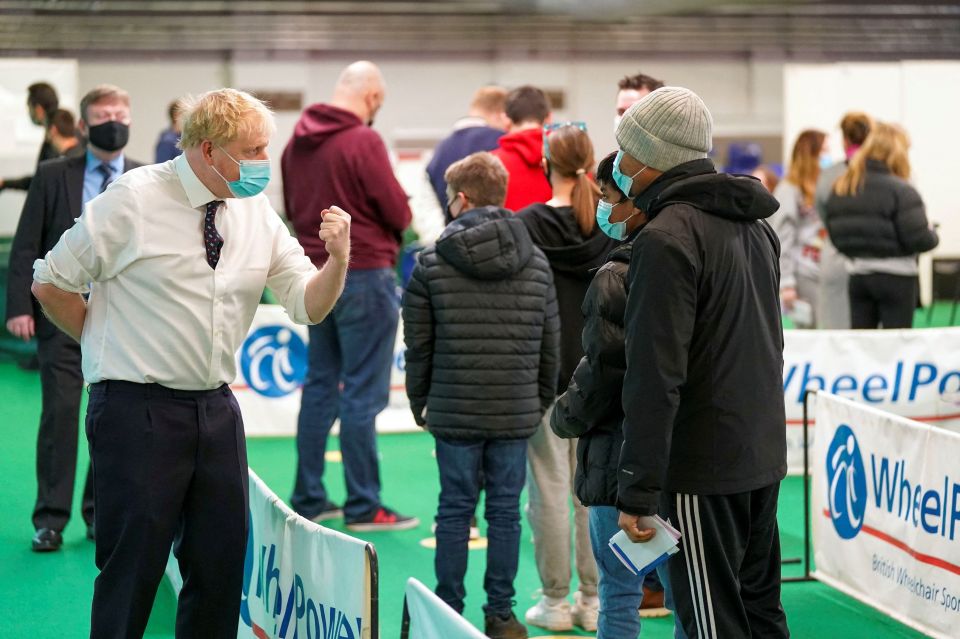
[
  {"x": 91, "y": 533},
  {"x": 47, "y": 540}
]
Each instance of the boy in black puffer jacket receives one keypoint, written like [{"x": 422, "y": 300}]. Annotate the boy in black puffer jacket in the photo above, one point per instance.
[
  {"x": 482, "y": 336},
  {"x": 591, "y": 410}
]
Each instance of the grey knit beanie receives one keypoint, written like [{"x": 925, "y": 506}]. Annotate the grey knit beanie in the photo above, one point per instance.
[{"x": 667, "y": 127}]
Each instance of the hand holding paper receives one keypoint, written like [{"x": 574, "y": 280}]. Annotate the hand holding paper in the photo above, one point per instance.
[
  {"x": 630, "y": 524},
  {"x": 641, "y": 558}
]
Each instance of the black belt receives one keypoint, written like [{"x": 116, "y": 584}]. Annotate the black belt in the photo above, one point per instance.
[{"x": 153, "y": 390}]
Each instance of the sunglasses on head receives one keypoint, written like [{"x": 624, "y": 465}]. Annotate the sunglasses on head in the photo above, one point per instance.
[{"x": 550, "y": 128}]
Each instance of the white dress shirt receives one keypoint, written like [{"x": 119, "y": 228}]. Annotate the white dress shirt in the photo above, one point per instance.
[{"x": 157, "y": 312}]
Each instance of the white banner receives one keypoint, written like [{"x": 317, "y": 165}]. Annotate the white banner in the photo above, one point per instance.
[
  {"x": 432, "y": 618},
  {"x": 300, "y": 579},
  {"x": 272, "y": 366},
  {"x": 885, "y": 509},
  {"x": 912, "y": 373}
]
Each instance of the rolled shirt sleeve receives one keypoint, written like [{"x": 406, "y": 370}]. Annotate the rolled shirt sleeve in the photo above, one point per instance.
[
  {"x": 290, "y": 271},
  {"x": 104, "y": 240}
]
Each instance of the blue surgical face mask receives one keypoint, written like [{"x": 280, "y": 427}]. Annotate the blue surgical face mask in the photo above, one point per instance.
[
  {"x": 625, "y": 182},
  {"x": 254, "y": 176},
  {"x": 826, "y": 161},
  {"x": 615, "y": 230}
]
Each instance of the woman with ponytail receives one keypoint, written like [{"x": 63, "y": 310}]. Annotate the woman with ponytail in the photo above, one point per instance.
[{"x": 565, "y": 229}]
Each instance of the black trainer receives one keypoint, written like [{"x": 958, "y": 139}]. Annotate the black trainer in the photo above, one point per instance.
[
  {"x": 497, "y": 627},
  {"x": 330, "y": 511},
  {"x": 46, "y": 540},
  {"x": 383, "y": 519}
]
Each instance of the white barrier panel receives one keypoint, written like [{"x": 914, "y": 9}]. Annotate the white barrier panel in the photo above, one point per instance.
[
  {"x": 432, "y": 618},
  {"x": 272, "y": 366},
  {"x": 885, "y": 509},
  {"x": 911, "y": 373},
  {"x": 299, "y": 579}
]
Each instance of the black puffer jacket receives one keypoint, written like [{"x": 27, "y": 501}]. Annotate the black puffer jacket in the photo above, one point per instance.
[
  {"x": 703, "y": 392},
  {"x": 590, "y": 408},
  {"x": 885, "y": 219},
  {"x": 481, "y": 329}
]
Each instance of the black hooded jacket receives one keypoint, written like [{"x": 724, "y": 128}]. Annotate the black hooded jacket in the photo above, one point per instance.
[
  {"x": 573, "y": 259},
  {"x": 703, "y": 391},
  {"x": 590, "y": 408},
  {"x": 481, "y": 330}
]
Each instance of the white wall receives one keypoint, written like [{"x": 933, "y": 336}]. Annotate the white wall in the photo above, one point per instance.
[{"x": 20, "y": 139}]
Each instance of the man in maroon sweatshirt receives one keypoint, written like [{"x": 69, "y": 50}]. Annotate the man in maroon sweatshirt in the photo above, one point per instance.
[
  {"x": 521, "y": 149},
  {"x": 334, "y": 157}
]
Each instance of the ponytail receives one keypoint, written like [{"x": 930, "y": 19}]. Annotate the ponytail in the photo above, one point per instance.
[{"x": 584, "y": 200}]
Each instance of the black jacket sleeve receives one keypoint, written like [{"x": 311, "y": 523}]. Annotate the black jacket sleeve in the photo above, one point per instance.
[
  {"x": 659, "y": 322},
  {"x": 418, "y": 335},
  {"x": 593, "y": 395},
  {"x": 20, "y": 184},
  {"x": 549, "y": 348},
  {"x": 26, "y": 248},
  {"x": 913, "y": 229}
]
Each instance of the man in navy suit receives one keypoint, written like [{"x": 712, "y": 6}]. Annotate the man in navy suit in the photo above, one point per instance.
[{"x": 58, "y": 192}]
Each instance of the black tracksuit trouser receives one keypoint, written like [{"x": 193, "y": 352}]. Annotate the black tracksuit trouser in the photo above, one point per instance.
[{"x": 726, "y": 577}]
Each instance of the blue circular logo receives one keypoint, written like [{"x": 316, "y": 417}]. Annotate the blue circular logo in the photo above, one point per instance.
[
  {"x": 273, "y": 360},
  {"x": 847, "y": 483}
]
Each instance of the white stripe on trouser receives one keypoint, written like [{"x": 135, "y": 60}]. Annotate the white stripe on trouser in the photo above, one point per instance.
[
  {"x": 688, "y": 511},
  {"x": 686, "y": 533},
  {"x": 703, "y": 563}
]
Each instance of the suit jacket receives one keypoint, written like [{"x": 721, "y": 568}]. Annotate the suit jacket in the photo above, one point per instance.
[{"x": 54, "y": 201}]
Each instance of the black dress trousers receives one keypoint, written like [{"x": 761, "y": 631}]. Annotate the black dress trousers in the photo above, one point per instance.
[
  {"x": 61, "y": 383},
  {"x": 170, "y": 467}
]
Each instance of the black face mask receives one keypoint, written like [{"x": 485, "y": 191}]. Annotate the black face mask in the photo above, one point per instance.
[{"x": 109, "y": 136}]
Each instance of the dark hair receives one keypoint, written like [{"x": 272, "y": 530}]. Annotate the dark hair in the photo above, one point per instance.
[
  {"x": 605, "y": 172},
  {"x": 44, "y": 95},
  {"x": 527, "y": 103},
  {"x": 639, "y": 81},
  {"x": 62, "y": 120},
  {"x": 856, "y": 127}
]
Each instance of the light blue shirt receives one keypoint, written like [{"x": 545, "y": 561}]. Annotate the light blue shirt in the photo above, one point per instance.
[{"x": 93, "y": 178}]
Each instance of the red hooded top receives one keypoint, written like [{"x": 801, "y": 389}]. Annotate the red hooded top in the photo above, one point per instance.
[
  {"x": 335, "y": 159},
  {"x": 521, "y": 152}
]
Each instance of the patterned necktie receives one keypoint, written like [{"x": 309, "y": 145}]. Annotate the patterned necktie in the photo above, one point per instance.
[
  {"x": 212, "y": 239},
  {"x": 107, "y": 172}
]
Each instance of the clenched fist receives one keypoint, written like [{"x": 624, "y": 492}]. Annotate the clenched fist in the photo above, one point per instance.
[{"x": 335, "y": 232}]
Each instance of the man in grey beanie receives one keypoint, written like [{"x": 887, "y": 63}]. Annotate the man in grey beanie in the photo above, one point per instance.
[{"x": 704, "y": 437}]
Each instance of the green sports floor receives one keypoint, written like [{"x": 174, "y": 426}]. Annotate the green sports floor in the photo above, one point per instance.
[{"x": 48, "y": 596}]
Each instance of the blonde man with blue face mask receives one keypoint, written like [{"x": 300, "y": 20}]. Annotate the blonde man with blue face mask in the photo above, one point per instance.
[{"x": 175, "y": 257}]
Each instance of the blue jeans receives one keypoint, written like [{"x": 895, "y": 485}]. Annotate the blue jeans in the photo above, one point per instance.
[
  {"x": 503, "y": 463},
  {"x": 620, "y": 591},
  {"x": 353, "y": 346}
]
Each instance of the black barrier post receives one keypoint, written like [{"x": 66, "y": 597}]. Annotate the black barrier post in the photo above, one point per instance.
[
  {"x": 806, "y": 496},
  {"x": 405, "y": 621},
  {"x": 374, "y": 591}
]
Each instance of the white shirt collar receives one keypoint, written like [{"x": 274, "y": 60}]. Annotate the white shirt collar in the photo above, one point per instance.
[{"x": 197, "y": 193}]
